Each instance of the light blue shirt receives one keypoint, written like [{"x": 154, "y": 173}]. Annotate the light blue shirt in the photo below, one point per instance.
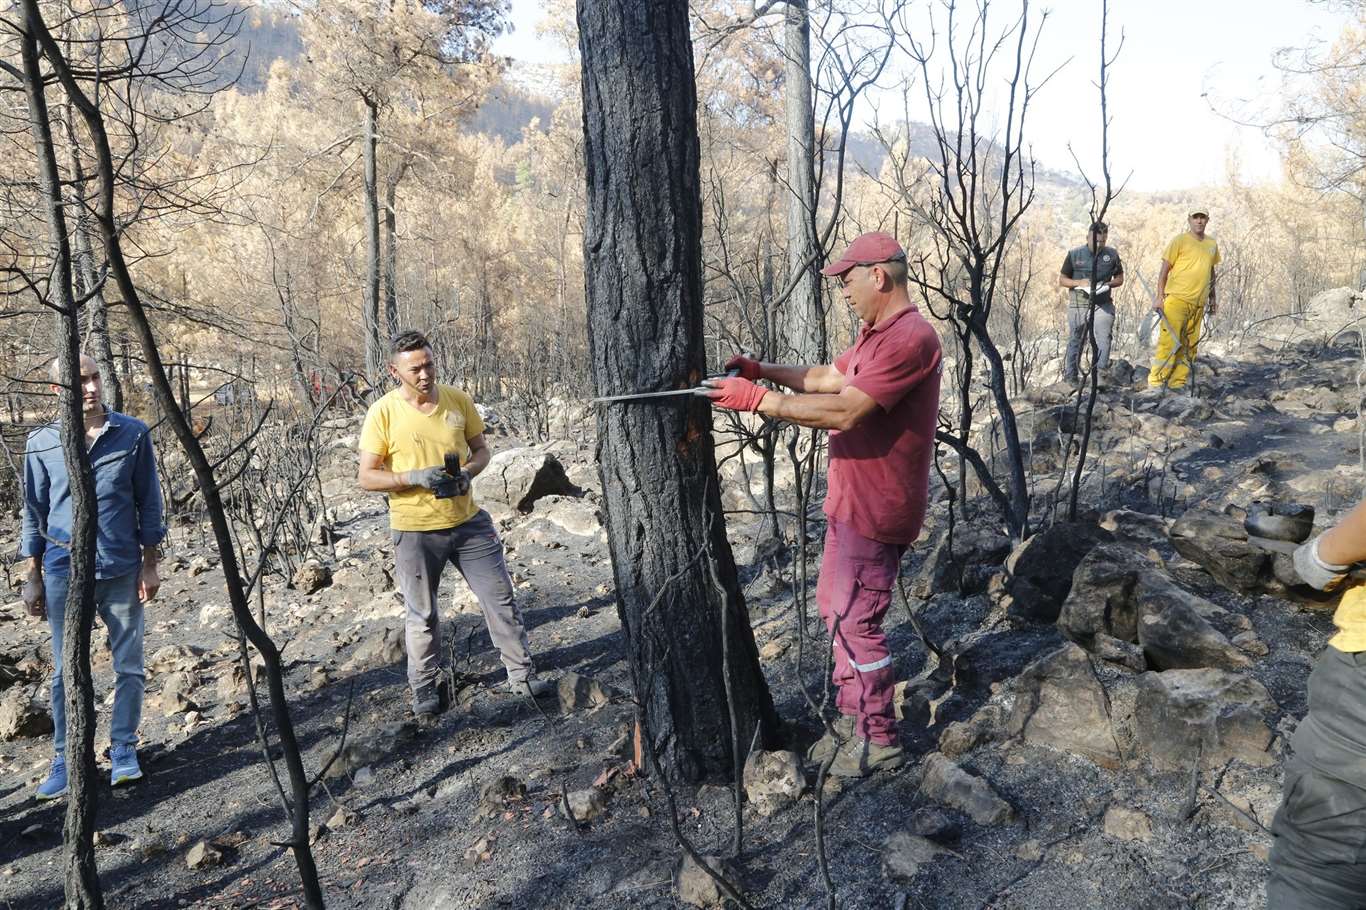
[{"x": 127, "y": 496}]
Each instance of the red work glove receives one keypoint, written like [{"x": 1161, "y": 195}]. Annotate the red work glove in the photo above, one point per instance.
[
  {"x": 745, "y": 367},
  {"x": 735, "y": 394}
]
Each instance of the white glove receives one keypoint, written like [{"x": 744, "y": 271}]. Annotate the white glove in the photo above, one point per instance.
[
  {"x": 1313, "y": 571},
  {"x": 1103, "y": 288}
]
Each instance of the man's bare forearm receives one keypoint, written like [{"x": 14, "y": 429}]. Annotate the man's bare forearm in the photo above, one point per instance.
[
  {"x": 479, "y": 459},
  {"x": 820, "y": 411},
  {"x": 803, "y": 378},
  {"x": 1345, "y": 543},
  {"x": 378, "y": 480}
]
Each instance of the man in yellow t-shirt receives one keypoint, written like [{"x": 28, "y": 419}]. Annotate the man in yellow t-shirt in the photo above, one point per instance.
[
  {"x": 407, "y": 436},
  {"x": 1318, "y": 859},
  {"x": 1185, "y": 290}
]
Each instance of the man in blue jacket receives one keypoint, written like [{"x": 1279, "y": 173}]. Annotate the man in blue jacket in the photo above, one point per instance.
[{"x": 129, "y": 528}]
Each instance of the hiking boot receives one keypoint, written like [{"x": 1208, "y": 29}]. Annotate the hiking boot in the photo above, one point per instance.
[
  {"x": 429, "y": 700},
  {"x": 55, "y": 785},
  {"x": 820, "y": 750},
  {"x": 860, "y": 757},
  {"x": 531, "y": 687},
  {"x": 124, "y": 761}
]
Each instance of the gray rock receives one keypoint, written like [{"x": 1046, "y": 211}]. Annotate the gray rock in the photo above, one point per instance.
[
  {"x": 204, "y": 855},
  {"x": 581, "y": 693},
  {"x": 966, "y": 566},
  {"x": 935, "y": 824},
  {"x": 1175, "y": 636},
  {"x": 383, "y": 650},
  {"x": 1060, "y": 703},
  {"x": 1038, "y": 572},
  {"x": 571, "y": 515},
  {"x": 904, "y": 854},
  {"x": 1218, "y": 544},
  {"x": 23, "y": 716},
  {"x": 311, "y": 577},
  {"x": 519, "y": 477},
  {"x": 1214, "y": 714},
  {"x": 773, "y": 780},
  {"x": 1120, "y": 594},
  {"x": 1125, "y": 654},
  {"x": 698, "y": 889},
  {"x": 986, "y": 725},
  {"x": 498, "y": 794},
  {"x": 946, "y": 783},
  {"x": 364, "y": 749},
  {"x": 1103, "y": 599},
  {"x": 1128, "y": 824},
  {"x": 1136, "y": 528},
  {"x": 586, "y": 805}
]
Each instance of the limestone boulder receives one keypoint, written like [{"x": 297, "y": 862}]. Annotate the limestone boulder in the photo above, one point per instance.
[
  {"x": 1218, "y": 543},
  {"x": 1211, "y": 714},
  {"x": 695, "y": 887},
  {"x": 1038, "y": 572},
  {"x": 964, "y": 565},
  {"x": 773, "y": 780},
  {"x": 1060, "y": 703},
  {"x": 1120, "y": 595},
  {"x": 946, "y": 783},
  {"x": 519, "y": 477},
  {"x": 23, "y": 715},
  {"x": 311, "y": 577}
]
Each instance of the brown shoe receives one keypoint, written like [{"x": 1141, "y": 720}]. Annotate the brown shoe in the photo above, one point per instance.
[
  {"x": 820, "y": 750},
  {"x": 860, "y": 757}
]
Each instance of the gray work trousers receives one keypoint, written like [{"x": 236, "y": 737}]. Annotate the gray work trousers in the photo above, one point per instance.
[
  {"x": 1318, "y": 860},
  {"x": 1076, "y": 337},
  {"x": 475, "y": 549}
]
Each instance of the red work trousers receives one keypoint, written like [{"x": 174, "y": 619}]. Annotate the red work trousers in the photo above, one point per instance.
[{"x": 854, "y": 592}]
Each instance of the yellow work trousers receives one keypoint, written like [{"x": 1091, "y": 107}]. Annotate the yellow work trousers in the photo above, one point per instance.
[{"x": 1172, "y": 361}]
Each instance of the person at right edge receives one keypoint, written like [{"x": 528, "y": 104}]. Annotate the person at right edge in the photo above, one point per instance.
[
  {"x": 880, "y": 402},
  {"x": 1185, "y": 292},
  {"x": 1101, "y": 262},
  {"x": 1318, "y": 859}
]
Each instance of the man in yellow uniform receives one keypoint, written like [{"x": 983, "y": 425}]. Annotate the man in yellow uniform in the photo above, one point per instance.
[
  {"x": 1318, "y": 861},
  {"x": 1185, "y": 289},
  {"x": 403, "y": 447}
]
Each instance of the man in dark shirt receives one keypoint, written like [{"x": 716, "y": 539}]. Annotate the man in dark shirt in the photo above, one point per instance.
[
  {"x": 880, "y": 402},
  {"x": 1095, "y": 261}
]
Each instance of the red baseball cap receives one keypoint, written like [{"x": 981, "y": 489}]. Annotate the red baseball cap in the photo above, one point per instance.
[{"x": 867, "y": 249}]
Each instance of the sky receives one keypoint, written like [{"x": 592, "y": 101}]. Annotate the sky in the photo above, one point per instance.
[{"x": 1184, "y": 68}]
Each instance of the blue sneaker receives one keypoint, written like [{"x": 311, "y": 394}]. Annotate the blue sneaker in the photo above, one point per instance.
[
  {"x": 55, "y": 785},
  {"x": 125, "y": 765}
]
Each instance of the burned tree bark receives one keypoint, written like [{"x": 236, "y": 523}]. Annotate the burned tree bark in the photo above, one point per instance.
[
  {"x": 805, "y": 320},
  {"x": 297, "y": 800},
  {"x": 81, "y": 873},
  {"x": 674, "y": 571}
]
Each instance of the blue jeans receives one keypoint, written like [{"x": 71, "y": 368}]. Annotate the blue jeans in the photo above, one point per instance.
[{"x": 116, "y": 602}]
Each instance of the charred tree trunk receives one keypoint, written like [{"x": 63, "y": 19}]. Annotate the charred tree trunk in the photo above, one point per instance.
[
  {"x": 391, "y": 248},
  {"x": 297, "y": 802},
  {"x": 805, "y": 329},
  {"x": 642, "y": 250},
  {"x": 82, "y": 882},
  {"x": 374, "y": 343},
  {"x": 87, "y": 282}
]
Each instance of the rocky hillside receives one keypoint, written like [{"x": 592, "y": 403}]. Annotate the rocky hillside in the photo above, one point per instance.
[{"x": 1099, "y": 715}]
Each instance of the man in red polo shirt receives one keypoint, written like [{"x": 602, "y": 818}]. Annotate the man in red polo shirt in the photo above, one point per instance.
[{"x": 880, "y": 402}]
